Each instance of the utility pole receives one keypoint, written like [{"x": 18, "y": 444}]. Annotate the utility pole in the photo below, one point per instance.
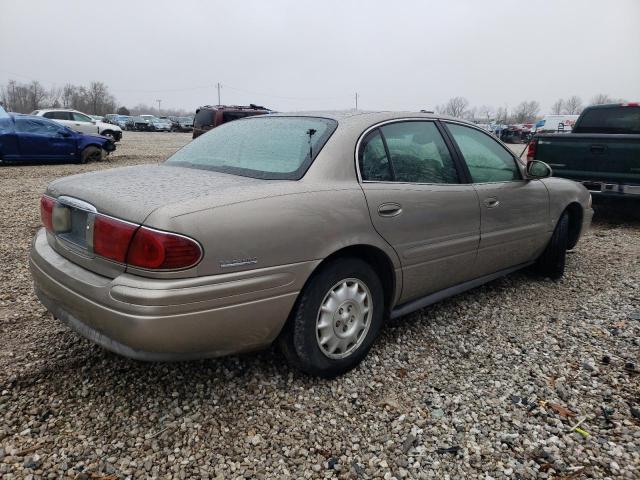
[
  {"x": 159, "y": 101},
  {"x": 219, "y": 87},
  {"x": 356, "y": 100}
]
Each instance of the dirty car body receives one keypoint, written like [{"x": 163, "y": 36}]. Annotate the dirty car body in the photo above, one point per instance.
[
  {"x": 27, "y": 138},
  {"x": 352, "y": 217}
]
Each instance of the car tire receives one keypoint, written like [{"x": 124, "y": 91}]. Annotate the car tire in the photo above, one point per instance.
[
  {"x": 335, "y": 320},
  {"x": 90, "y": 154},
  {"x": 552, "y": 261}
]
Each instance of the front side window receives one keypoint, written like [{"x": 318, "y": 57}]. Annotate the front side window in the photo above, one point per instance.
[
  {"x": 79, "y": 117},
  {"x": 418, "y": 153},
  {"x": 278, "y": 148},
  {"x": 37, "y": 127},
  {"x": 487, "y": 160}
]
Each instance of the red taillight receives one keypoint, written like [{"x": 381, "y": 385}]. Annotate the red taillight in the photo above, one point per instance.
[
  {"x": 630, "y": 104},
  {"x": 111, "y": 237},
  {"x": 152, "y": 249},
  {"x": 531, "y": 151},
  {"x": 46, "y": 212}
]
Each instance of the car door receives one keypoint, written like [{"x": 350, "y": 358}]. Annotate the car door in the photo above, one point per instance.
[
  {"x": 83, "y": 123},
  {"x": 514, "y": 218},
  {"x": 419, "y": 204},
  {"x": 42, "y": 139}
]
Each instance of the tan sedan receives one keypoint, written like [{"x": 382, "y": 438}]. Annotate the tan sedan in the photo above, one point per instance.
[{"x": 309, "y": 229}]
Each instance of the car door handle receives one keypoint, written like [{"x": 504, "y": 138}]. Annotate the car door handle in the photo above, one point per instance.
[
  {"x": 389, "y": 209},
  {"x": 491, "y": 202},
  {"x": 598, "y": 148}
]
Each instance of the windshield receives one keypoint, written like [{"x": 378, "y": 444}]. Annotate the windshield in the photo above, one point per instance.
[
  {"x": 609, "y": 120},
  {"x": 259, "y": 147}
]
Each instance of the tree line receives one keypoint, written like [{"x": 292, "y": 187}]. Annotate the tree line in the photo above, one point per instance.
[
  {"x": 524, "y": 112},
  {"x": 94, "y": 99}
]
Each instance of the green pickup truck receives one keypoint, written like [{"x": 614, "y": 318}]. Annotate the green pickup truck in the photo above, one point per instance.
[{"x": 602, "y": 151}]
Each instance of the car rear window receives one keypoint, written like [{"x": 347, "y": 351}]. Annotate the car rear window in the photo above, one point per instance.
[
  {"x": 609, "y": 120},
  {"x": 204, "y": 118},
  {"x": 279, "y": 148}
]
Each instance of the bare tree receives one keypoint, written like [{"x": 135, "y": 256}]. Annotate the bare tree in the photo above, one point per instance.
[
  {"x": 573, "y": 105},
  {"x": 601, "y": 99},
  {"x": 526, "y": 112},
  {"x": 557, "y": 107},
  {"x": 502, "y": 115},
  {"x": 455, "y": 107},
  {"x": 123, "y": 111}
]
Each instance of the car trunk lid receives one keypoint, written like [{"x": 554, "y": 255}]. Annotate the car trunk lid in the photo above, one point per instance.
[{"x": 132, "y": 194}]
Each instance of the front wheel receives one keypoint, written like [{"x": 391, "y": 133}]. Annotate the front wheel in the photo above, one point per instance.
[
  {"x": 91, "y": 154},
  {"x": 336, "y": 319},
  {"x": 552, "y": 261}
]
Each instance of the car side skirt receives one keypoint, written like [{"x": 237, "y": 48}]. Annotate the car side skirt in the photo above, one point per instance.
[{"x": 432, "y": 298}]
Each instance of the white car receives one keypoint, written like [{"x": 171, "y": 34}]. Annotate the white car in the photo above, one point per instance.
[{"x": 81, "y": 122}]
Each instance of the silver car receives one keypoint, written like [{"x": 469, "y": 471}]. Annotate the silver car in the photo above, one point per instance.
[{"x": 311, "y": 230}]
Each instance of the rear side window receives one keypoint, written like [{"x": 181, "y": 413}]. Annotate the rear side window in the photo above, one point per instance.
[
  {"x": 486, "y": 159},
  {"x": 609, "y": 120},
  {"x": 418, "y": 153},
  {"x": 204, "y": 118},
  {"x": 374, "y": 164},
  {"x": 57, "y": 115}
]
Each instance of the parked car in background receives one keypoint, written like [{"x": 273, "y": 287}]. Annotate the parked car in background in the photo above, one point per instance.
[
  {"x": 555, "y": 124},
  {"x": 81, "y": 122},
  {"x": 159, "y": 124},
  {"x": 183, "y": 124},
  {"x": 29, "y": 138},
  {"x": 208, "y": 117},
  {"x": 602, "y": 152},
  {"x": 138, "y": 123},
  {"x": 308, "y": 229},
  {"x": 518, "y": 133},
  {"x": 121, "y": 121}
]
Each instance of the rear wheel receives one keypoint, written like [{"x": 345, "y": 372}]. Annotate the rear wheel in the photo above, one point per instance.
[
  {"x": 91, "y": 154},
  {"x": 336, "y": 319},
  {"x": 552, "y": 261}
]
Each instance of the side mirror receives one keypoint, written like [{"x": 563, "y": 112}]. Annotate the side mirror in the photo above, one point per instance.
[
  {"x": 93, "y": 121},
  {"x": 64, "y": 133},
  {"x": 538, "y": 169}
]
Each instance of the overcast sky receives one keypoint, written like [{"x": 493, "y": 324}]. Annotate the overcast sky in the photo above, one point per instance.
[{"x": 298, "y": 54}]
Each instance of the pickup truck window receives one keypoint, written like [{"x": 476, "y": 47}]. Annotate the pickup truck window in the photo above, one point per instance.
[
  {"x": 486, "y": 159},
  {"x": 609, "y": 120}
]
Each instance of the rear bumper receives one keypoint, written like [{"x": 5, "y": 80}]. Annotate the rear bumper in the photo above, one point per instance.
[
  {"x": 160, "y": 320},
  {"x": 611, "y": 189}
]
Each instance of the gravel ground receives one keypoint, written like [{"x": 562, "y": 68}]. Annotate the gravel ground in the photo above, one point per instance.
[{"x": 484, "y": 385}]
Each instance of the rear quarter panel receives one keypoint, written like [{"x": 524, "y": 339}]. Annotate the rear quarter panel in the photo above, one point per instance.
[{"x": 303, "y": 226}]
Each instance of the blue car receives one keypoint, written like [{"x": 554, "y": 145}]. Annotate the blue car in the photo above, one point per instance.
[{"x": 26, "y": 138}]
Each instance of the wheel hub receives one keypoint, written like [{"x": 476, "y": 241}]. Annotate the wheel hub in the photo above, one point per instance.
[{"x": 344, "y": 318}]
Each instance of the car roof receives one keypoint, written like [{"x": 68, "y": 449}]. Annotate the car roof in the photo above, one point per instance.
[{"x": 369, "y": 117}]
